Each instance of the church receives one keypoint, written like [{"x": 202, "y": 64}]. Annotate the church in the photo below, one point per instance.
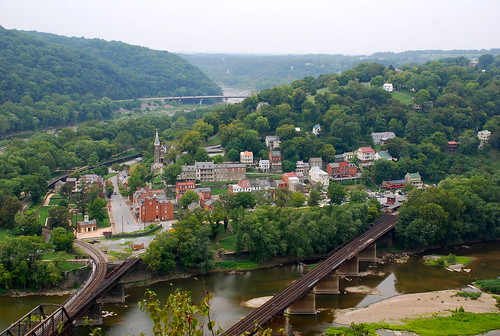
[{"x": 159, "y": 155}]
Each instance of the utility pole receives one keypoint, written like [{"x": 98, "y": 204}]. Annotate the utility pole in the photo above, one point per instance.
[{"x": 122, "y": 224}]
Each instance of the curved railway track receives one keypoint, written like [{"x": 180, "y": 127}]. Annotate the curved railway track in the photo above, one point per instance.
[{"x": 307, "y": 282}]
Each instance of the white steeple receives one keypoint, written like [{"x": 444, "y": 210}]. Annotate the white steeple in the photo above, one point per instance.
[{"x": 157, "y": 139}]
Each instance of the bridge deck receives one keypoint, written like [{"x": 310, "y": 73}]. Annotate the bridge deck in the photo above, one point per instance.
[{"x": 307, "y": 282}]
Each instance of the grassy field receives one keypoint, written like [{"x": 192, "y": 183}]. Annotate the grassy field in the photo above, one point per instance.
[
  {"x": 229, "y": 243},
  {"x": 403, "y": 96},
  {"x": 213, "y": 141},
  {"x": 5, "y": 234},
  {"x": 219, "y": 191},
  {"x": 459, "y": 323},
  {"x": 238, "y": 265},
  {"x": 446, "y": 261}
]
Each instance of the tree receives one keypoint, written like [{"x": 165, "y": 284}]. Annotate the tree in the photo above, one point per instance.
[
  {"x": 9, "y": 207},
  {"x": 59, "y": 216},
  {"x": 96, "y": 209},
  {"x": 485, "y": 60},
  {"x": 358, "y": 196},
  {"x": 188, "y": 198},
  {"x": 27, "y": 224},
  {"x": 337, "y": 193},
  {"x": 62, "y": 239},
  {"x": 204, "y": 129},
  {"x": 314, "y": 198},
  {"x": 297, "y": 200},
  {"x": 244, "y": 200},
  {"x": 219, "y": 158},
  {"x": 171, "y": 172}
]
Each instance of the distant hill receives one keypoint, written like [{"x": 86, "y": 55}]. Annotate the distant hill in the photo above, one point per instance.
[
  {"x": 38, "y": 65},
  {"x": 265, "y": 71}
]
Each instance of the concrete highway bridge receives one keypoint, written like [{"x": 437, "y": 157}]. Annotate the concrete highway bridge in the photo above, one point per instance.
[{"x": 181, "y": 98}]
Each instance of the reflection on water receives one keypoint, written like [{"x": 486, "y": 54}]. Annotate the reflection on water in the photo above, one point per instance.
[{"x": 230, "y": 290}]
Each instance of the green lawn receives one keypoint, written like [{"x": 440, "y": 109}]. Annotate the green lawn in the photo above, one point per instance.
[
  {"x": 229, "y": 243},
  {"x": 219, "y": 191},
  {"x": 213, "y": 141},
  {"x": 403, "y": 96},
  {"x": 43, "y": 213},
  {"x": 5, "y": 234},
  {"x": 108, "y": 176}
]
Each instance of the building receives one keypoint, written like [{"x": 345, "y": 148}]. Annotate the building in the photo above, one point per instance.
[
  {"x": 246, "y": 158},
  {"x": 264, "y": 165},
  {"x": 319, "y": 176},
  {"x": 382, "y": 137},
  {"x": 316, "y": 162},
  {"x": 152, "y": 205},
  {"x": 341, "y": 169},
  {"x": 86, "y": 225},
  {"x": 214, "y": 150},
  {"x": 302, "y": 167},
  {"x": 452, "y": 147},
  {"x": 414, "y": 179},
  {"x": 275, "y": 160},
  {"x": 182, "y": 187},
  {"x": 273, "y": 141},
  {"x": 211, "y": 172},
  {"x": 316, "y": 129},
  {"x": 348, "y": 156},
  {"x": 383, "y": 155},
  {"x": 365, "y": 154},
  {"x": 394, "y": 184},
  {"x": 388, "y": 87},
  {"x": 159, "y": 155},
  {"x": 242, "y": 186},
  {"x": 483, "y": 136}
]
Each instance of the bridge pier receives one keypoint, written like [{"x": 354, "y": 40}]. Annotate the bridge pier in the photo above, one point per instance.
[
  {"x": 93, "y": 315},
  {"x": 115, "y": 294},
  {"x": 304, "y": 305},
  {"x": 369, "y": 253},
  {"x": 349, "y": 267},
  {"x": 329, "y": 285}
]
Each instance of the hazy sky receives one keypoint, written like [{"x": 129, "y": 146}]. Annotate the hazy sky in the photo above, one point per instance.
[{"x": 267, "y": 26}]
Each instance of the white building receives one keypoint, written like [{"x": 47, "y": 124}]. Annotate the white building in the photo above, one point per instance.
[
  {"x": 365, "y": 154},
  {"x": 382, "y": 137},
  {"x": 483, "y": 136},
  {"x": 246, "y": 157},
  {"x": 318, "y": 175},
  {"x": 316, "y": 129},
  {"x": 264, "y": 165},
  {"x": 388, "y": 87}
]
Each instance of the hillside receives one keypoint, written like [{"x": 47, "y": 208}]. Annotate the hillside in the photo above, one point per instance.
[
  {"x": 38, "y": 65},
  {"x": 265, "y": 71}
]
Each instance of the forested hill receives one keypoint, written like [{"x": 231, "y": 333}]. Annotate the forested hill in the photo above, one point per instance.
[
  {"x": 38, "y": 65},
  {"x": 265, "y": 71}
]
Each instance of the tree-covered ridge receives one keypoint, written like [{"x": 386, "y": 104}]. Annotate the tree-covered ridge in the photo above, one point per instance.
[
  {"x": 455, "y": 102},
  {"x": 40, "y": 65},
  {"x": 265, "y": 71}
]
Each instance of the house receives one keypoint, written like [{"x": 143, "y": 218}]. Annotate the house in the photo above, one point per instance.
[
  {"x": 319, "y": 176},
  {"x": 152, "y": 205},
  {"x": 211, "y": 172},
  {"x": 452, "y": 147},
  {"x": 383, "y": 155},
  {"x": 414, "y": 179},
  {"x": 394, "y": 184},
  {"x": 241, "y": 186},
  {"x": 246, "y": 158},
  {"x": 341, "y": 169},
  {"x": 392, "y": 202},
  {"x": 264, "y": 165},
  {"x": 365, "y": 154},
  {"x": 316, "y": 162},
  {"x": 182, "y": 187},
  {"x": 294, "y": 184},
  {"x": 86, "y": 225},
  {"x": 273, "y": 141},
  {"x": 205, "y": 195},
  {"x": 348, "y": 156},
  {"x": 316, "y": 129},
  {"x": 382, "y": 137},
  {"x": 214, "y": 150},
  {"x": 275, "y": 160},
  {"x": 302, "y": 167},
  {"x": 388, "y": 87},
  {"x": 339, "y": 158},
  {"x": 483, "y": 136}
]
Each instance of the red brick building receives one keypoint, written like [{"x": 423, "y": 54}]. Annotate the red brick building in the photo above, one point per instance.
[
  {"x": 341, "y": 169},
  {"x": 152, "y": 205},
  {"x": 182, "y": 187}
]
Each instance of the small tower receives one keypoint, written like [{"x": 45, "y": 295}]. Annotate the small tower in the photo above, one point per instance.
[{"x": 157, "y": 149}]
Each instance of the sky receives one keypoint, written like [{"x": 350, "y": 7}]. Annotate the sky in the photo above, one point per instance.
[{"x": 351, "y": 27}]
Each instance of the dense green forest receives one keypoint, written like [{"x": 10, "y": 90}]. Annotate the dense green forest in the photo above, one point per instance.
[
  {"x": 48, "y": 80},
  {"x": 265, "y": 71}
]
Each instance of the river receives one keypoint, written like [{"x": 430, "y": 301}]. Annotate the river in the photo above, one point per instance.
[{"x": 230, "y": 290}]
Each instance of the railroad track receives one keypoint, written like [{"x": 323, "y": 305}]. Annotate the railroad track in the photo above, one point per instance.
[{"x": 307, "y": 282}]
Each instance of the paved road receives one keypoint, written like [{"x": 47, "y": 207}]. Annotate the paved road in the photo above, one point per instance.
[{"x": 120, "y": 212}]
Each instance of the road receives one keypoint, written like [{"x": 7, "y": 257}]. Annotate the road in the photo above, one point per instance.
[{"x": 120, "y": 212}]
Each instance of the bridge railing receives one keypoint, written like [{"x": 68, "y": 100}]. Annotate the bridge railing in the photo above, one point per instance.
[{"x": 36, "y": 322}]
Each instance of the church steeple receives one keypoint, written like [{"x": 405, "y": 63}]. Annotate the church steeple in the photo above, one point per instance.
[{"x": 157, "y": 139}]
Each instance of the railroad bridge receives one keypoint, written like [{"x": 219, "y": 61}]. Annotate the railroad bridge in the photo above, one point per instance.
[
  {"x": 101, "y": 287},
  {"x": 299, "y": 297}
]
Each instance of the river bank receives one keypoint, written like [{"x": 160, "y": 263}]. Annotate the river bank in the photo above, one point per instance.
[{"x": 409, "y": 306}]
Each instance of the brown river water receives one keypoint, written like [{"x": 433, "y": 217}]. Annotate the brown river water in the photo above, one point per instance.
[{"x": 230, "y": 290}]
